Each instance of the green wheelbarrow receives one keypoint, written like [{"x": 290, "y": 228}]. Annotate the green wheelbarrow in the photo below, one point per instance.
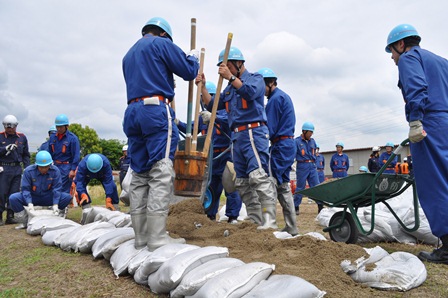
[{"x": 362, "y": 190}]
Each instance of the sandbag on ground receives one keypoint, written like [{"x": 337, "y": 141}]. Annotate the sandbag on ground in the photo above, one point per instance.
[
  {"x": 236, "y": 281},
  {"x": 137, "y": 260},
  {"x": 85, "y": 243},
  {"x": 285, "y": 286},
  {"x": 50, "y": 237},
  {"x": 169, "y": 275},
  {"x": 196, "y": 278},
  {"x": 70, "y": 241},
  {"x": 106, "y": 244},
  {"x": 157, "y": 258},
  {"x": 122, "y": 256},
  {"x": 36, "y": 224},
  {"x": 89, "y": 214}
]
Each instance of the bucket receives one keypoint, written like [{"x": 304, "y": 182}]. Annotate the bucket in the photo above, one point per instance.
[{"x": 190, "y": 173}]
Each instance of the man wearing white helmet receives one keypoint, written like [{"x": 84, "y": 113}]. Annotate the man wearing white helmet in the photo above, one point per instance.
[
  {"x": 339, "y": 163},
  {"x": 13, "y": 153},
  {"x": 374, "y": 162},
  {"x": 123, "y": 163},
  {"x": 149, "y": 68},
  {"x": 423, "y": 80}
]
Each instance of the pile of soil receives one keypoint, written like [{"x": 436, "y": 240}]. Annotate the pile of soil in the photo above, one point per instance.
[{"x": 316, "y": 261}]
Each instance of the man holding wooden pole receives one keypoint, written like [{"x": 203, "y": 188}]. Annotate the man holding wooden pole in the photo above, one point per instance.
[
  {"x": 148, "y": 70},
  {"x": 243, "y": 99}
]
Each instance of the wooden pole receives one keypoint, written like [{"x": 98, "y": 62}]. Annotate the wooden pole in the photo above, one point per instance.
[
  {"x": 216, "y": 100},
  {"x": 198, "y": 104},
  {"x": 190, "y": 92}
]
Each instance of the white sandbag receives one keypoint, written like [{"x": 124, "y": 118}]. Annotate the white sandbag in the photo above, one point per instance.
[
  {"x": 106, "y": 244},
  {"x": 121, "y": 220},
  {"x": 374, "y": 255},
  {"x": 56, "y": 225},
  {"x": 39, "y": 211},
  {"x": 196, "y": 278},
  {"x": 383, "y": 231},
  {"x": 169, "y": 275},
  {"x": 106, "y": 215},
  {"x": 122, "y": 256},
  {"x": 316, "y": 235},
  {"x": 423, "y": 233},
  {"x": 69, "y": 241},
  {"x": 138, "y": 260},
  {"x": 236, "y": 281},
  {"x": 124, "y": 195},
  {"x": 284, "y": 235},
  {"x": 89, "y": 214},
  {"x": 241, "y": 216},
  {"x": 157, "y": 258},
  {"x": 85, "y": 243},
  {"x": 324, "y": 216},
  {"x": 50, "y": 237},
  {"x": 285, "y": 286},
  {"x": 38, "y": 223},
  {"x": 400, "y": 271}
]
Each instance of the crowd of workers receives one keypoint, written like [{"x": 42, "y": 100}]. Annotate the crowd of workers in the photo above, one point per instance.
[{"x": 262, "y": 141}]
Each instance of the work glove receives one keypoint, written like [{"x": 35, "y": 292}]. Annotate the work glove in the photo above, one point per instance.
[
  {"x": 55, "y": 209},
  {"x": 30, "y": 207},
  {"x": 84, "y": 199},
  {"x": 194, "y": 53},
  {"x": 206, "y": 116},
  {"x": 416, "y": 132},
  {"x": 109, "y": 204}
]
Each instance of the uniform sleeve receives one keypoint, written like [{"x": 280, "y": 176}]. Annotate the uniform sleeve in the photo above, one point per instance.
[
  {"x": 178, "y": 62},
  {"x": 26, "y": 153},
  {"x": 332, "y": 163},
  {"x": 57, "y": 184},
  {"x": 253, "y": 87},
  {"x": 272, "y": 110},
  {"x": 347, "y": 163},
  {"x": 80, "y": 177},
  {"x": 26, "y": 186},
  {"x": 75, "y": 149},
  {"x": 108, "y": 182}
]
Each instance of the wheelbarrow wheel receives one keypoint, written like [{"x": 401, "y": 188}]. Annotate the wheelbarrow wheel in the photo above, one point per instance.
[
  {"x": 209, "y": 200},
  {"x": 347, "y": 232}
]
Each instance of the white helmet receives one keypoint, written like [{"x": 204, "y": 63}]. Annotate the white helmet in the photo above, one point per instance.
[
  {"x": 405, "y": 159},
  {"x": 376, "y": 148},
  {"x": 10, "y": 121},
  {"x": 125, "y": 148}
]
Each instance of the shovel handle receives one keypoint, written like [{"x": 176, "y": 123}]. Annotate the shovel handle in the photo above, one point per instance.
[
  {"x": 198, "y": 103},
  {"x": 190, "y": 92}
]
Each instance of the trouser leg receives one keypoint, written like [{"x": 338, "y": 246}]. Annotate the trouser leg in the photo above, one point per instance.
[
  {"x": 267, "y": 195},
  {"x": 250, "y": 199},
  {"x": 286, "y": 200}
]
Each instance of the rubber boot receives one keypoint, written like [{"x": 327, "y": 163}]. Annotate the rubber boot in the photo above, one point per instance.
[
  {"x": 22, "y": 220},
  {"x": 10, "y": 220},
  {"x": 140, "y": 226},
  {"x": 286, "y": 200},
  {"x": 250, "y": 199},
  {"x": 269, "y": 220},
  {"x": 157, "y": 235},
  {"x": 437, "y": 256},
  {"x": 267, "y": 195},
  {"x": 63, "y": 212}
]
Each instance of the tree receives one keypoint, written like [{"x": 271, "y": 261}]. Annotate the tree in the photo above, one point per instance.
[
  {"x": 112, "y": 149},
  {"x": 88, "y": 139}
]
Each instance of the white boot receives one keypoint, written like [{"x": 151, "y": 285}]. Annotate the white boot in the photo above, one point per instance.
[
  {"x": 140, "y": 226},
  {"x": 286, "y": 200},
  {"x": 250, "y": 199},
  {"x": 22, "y": 218},
  {"x": 157, "y": 235}
]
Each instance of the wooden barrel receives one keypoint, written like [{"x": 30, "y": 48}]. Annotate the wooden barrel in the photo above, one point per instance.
[{"x": 190, "y": 173}]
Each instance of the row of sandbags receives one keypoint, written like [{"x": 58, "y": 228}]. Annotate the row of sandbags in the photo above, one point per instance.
[
  {"x": 387, "y": 228},
  {"x": 181, "y": 270}
]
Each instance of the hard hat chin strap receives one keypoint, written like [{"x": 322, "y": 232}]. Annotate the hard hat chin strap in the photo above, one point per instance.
[{"x": 237, "y": 67}]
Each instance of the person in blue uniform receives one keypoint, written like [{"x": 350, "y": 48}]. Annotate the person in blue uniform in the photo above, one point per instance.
[
  {"x": 64, "y": 149},
  {"x": 385, "y": 156},
  {"x": 123, "y": 163},
  {"x": 13, "y": 154},
  {"x": 46, "y": 145},
  {"x": 423, "y": 80},
  {"x": 243, "y": 99},
  {"x": 305, "y": 163},
  {"x": 41, "y": 186},
  {"x": 149, "y": 68},
  {"x": 281, "y": 123},
  {"x": 339, "y": 163},
  {"x": 320, "y": 164},
  {"x": 374, "y": 163},
  {"x": 96, "y": 166}
]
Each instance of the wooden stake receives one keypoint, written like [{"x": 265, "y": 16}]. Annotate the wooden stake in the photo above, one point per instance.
[{"x": 198, "y": 104}]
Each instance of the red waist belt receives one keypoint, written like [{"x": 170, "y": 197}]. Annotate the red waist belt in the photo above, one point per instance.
[
  {"x": 61, "y": 162},
  {"x": 308, "y": 160},
  {"x": 281, "y": 138},
  {"x": 160, "y": 97},
  {"x": 248, "y": 126},
  {"x": 340, "y": 171}
]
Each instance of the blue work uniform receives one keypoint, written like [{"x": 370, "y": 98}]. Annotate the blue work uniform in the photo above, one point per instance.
[
  {"x": 40, "y": 189},
  {"x": 123, "y": 165},
  {"x": 374, "y": 164},
  {"x": 423, "y": 79},
  {"x": 281, "y": 125},
  {"x": 10, "y": 166},
  {"x": 391, "y": 167},
  {"x": 148, "y": 69},
  {"x": 104, "y": 175},
  {"x": 305, "y": 166},
  {"x": 245, "y": 109},
  {"x": 320, "y": 166},
  {"x": 64, "y": 150},
  {"x": 339, "y": 165}
]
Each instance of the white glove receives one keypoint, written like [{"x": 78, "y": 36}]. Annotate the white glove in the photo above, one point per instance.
[
  {"x": 10, "y": 148},
  {"x": 31, "y": 207},
  {"x": 55, "y": 209},
  {"x": 206, "y": 116},
  {"x": 176, "y": 121},
  {"x": 416, "y": 132},
  {"x": 194, "y": 53}
]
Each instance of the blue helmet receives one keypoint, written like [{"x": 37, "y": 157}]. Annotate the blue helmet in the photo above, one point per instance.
[
  {"x": 340, "y": 144},
  {"x": 390, "y": 144},
  {"x": 400, "y": 32},
  {"x": 52, "y": 129},
  {"x": 61, "y": 120},
  {"x": 162, "y": 24},
  {"x": 267, "y": 73},
  {"x": 94, "y": 162},
  {"x": 43, "y": 158},
  {"x": 308, "y": 126},
  {"x": 234, "y": 54},
  {"x": 363, "y": 169},
  {"x": 211, "y": 88}
]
